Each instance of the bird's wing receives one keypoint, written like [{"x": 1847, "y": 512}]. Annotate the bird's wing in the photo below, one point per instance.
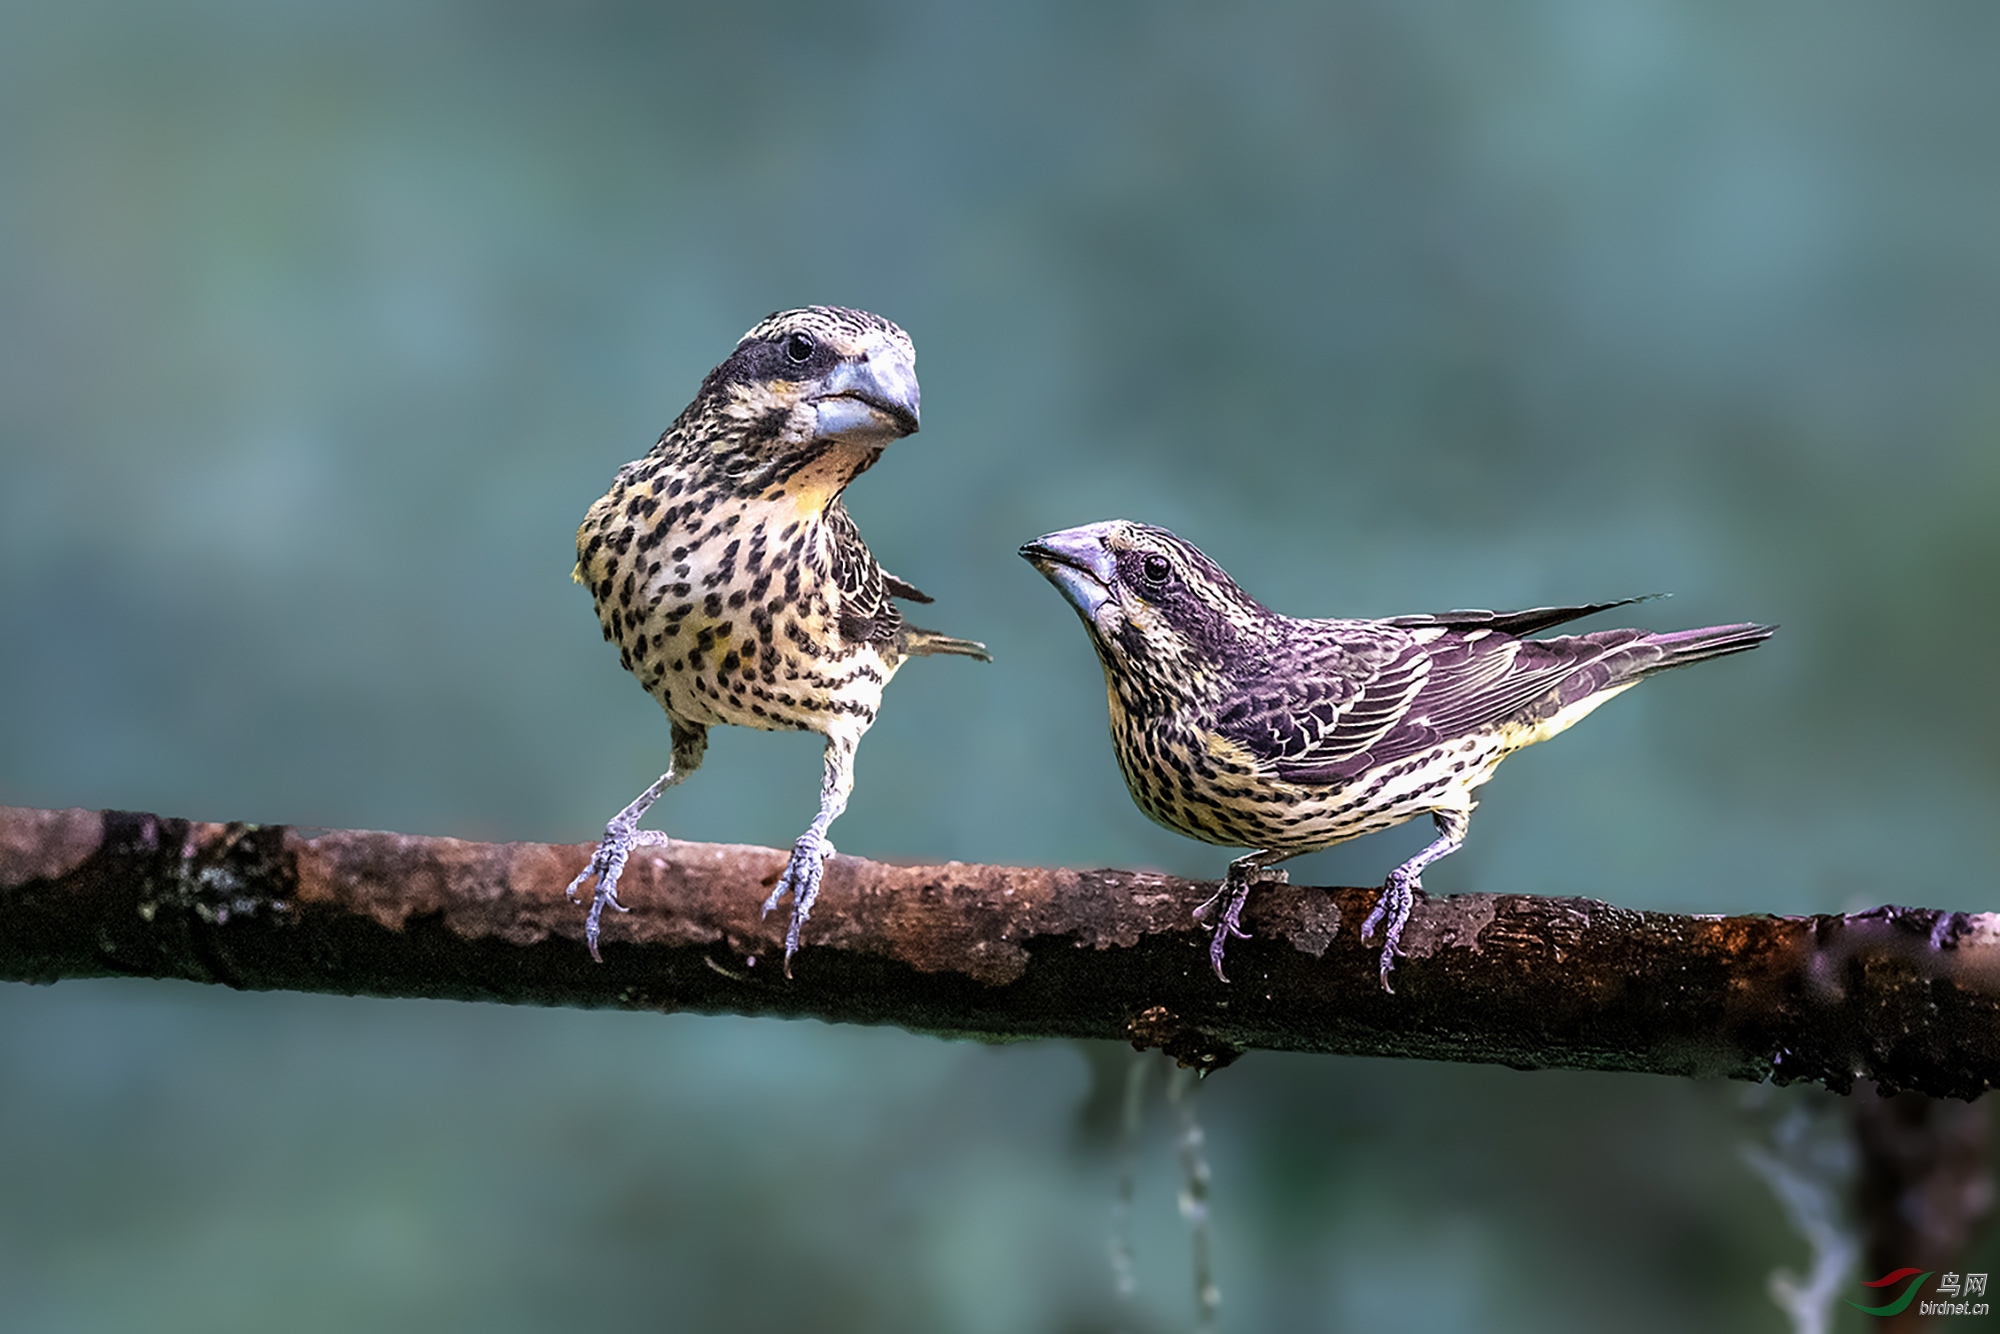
[
  {"x": 1527, "y": 622},
  {"x": 1323, "y": 693},
  {"x": 1444, "y": 685},
  {"x": 867, "y": 610}
]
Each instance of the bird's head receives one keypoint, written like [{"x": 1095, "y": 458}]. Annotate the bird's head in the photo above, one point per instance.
[
  {"x": 1157, "y": 609},
  {"x": 801, "y": 385}
]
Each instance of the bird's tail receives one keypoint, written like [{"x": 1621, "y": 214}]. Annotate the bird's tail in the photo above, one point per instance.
[
  {"x": 920, "y": 643},
  {"x": 1681, "y": 647}
]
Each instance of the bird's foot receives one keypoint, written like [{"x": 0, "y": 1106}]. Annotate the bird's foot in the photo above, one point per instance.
[
  {"x": 1228, "y": 921},
  {"x": 621, "y": 835},
  {"x": 607, "y": 864},
  {"x": 800, "y": 879},
  {"x": 1391, "y": 911}
]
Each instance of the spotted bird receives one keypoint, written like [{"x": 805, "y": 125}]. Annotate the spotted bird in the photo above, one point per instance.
[
  {"x": 734, "y": 582},
  {"x": 1241, "y": 727}
]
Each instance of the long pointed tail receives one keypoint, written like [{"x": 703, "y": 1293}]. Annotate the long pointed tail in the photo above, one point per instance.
[
  {"x": 1632, "y": 655},
  {"x": 920, "y": 643},
  {"x": 1681, "y": 647}
]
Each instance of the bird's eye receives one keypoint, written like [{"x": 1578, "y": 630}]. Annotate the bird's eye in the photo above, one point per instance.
[
  {"x": 1155, "y": 569},
  {"x": 799, "y": 347}
]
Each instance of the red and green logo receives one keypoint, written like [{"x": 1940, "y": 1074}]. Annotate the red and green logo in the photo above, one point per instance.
[{"x": 1902, "y": 1303}]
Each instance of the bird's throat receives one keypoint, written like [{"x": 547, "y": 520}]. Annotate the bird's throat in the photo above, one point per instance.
[{"x": 811, "y": 488}]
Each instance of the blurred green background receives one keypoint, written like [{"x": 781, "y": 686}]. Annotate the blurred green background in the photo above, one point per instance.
[{"x": 321, "y": 324}]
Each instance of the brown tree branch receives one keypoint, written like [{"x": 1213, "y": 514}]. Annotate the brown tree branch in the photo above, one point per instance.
[{"x": 1909, "y": 998}]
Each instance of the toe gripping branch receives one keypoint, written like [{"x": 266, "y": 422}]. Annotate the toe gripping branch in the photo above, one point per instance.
[
  {"x": 1399, "y": 893},
  {"x": 1225, "y": 907},
  {"x": 1245, "y": 874},
  {"x": 801, "y": 879},
  {"x": 621, "y": 836},
  {"x": 1392, "y": 906},
  {"x": 1391, "y": 912}
]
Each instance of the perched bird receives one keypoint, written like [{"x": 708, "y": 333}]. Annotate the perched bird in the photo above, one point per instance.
[
  {"x": 734, "y": 582},
  {"x": 1241, "y": 727}
]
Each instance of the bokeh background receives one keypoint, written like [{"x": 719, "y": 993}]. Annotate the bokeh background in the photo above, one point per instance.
[{"x": 322, "y": 323}]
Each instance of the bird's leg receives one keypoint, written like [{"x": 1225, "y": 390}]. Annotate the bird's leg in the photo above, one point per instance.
[
  {"x": 1245, "y": 873},
  {"x": 1392, "y": 907},
  {"x": 623, "y": 833},
  {"x": 802, "y": 873}
]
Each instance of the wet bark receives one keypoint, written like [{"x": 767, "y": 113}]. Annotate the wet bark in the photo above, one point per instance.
[{"x": 1906, "y": 997}]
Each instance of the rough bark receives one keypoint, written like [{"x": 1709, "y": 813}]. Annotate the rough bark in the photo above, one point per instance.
[{"x": 1906, "y": 997}]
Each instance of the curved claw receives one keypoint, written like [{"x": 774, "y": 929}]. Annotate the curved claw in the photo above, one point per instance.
[
  {"x": 1236, "y": 886},
  {"x": 1392, "y": 911},
  {"x": 1227, "y": 922},
  {"x": 1368, "y": 923},
  {"x": 607, "y": 864},
  {"x": 801, "y": 879}
]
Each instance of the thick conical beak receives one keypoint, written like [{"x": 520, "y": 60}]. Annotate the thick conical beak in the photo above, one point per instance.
[
  {"x": 1078, "y": 563},
  {"x": 872, "y": 397}
]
